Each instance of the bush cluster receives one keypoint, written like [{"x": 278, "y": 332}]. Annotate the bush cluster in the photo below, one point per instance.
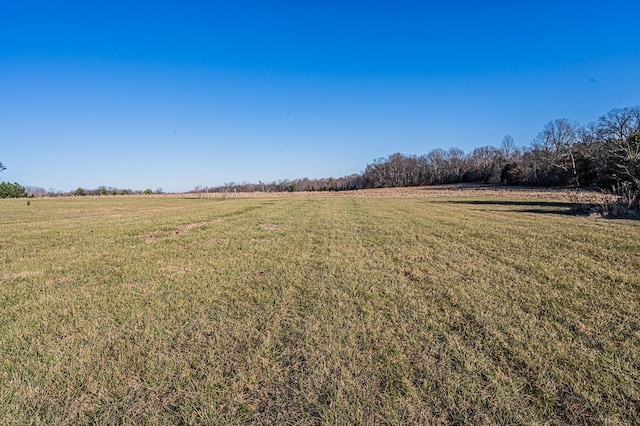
[{"x": 12, "y": 190}]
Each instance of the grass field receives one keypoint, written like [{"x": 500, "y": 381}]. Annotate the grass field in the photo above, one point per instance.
[{"x": 317, "y": 310}]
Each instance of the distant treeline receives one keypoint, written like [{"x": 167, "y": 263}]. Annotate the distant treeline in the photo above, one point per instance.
[
  {"x": 604, "y": 153},
  {"x": 35, "y": 191}
]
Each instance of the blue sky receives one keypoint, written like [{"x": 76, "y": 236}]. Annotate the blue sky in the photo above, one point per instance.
[{"x": 177, "y": 94}]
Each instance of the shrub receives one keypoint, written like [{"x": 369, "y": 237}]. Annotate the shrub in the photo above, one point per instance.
[
  {"x": 12, "y": 190},
  {"x": 625, "y": 203},
  {"x": 622, "y": 201}
]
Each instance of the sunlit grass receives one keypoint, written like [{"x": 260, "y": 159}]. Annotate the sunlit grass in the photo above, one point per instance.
[{"x": 317, "y": 310}]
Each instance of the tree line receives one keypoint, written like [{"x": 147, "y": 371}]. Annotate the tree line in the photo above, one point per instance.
[
  {"x": 604, "y": 153},
  {"x": 81, "y": 192},
  {"x": 11, "y": 190}
]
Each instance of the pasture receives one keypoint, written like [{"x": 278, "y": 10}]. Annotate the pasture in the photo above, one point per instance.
[{"x": 317, "y": 310}]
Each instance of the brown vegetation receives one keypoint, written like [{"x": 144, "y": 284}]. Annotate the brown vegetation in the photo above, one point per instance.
[{"x": 450, "y": 190}]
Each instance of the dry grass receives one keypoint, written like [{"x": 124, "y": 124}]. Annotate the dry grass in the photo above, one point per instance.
[
  {"x": 438, "y": 191},
  {"x": 306, "y": 310}
]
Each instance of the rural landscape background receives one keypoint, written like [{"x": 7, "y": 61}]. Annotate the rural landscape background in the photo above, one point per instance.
[{"x": 332, "y": 213}]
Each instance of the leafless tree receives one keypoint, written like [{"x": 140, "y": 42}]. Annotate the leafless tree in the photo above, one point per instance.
[
  {"x": 437, "y": 159},
  {"x": 620, "y": 130},
  {"x": 484, "y": 164},
  {"x": 557, "y": 141},
  {"x": 508, "y": 148}
]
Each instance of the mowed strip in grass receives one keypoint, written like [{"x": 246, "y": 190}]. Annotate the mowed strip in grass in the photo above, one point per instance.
[{"x": 317, "y": 310}]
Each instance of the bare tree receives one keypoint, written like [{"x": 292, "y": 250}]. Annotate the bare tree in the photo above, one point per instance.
[
  {"x": 619, "y": 129},
  {"x": 396, "y": 170},
  {"x": 484, "y": 164},
  {"x": 557, "y": 140},
  {"x": 618, "y": 125},
  {"x": 508, "y": 148},
  {"x": 437, "y": 159},
  {"x": 455, "y": 157}
]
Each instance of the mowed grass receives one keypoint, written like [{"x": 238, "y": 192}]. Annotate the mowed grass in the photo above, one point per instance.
[{"x": 335, "y": 310}]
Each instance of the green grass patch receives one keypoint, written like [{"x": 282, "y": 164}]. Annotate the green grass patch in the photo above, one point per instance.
[{"x": 335, "y": 310}]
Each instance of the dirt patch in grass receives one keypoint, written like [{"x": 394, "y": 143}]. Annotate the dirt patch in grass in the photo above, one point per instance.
[
  {"x": 270, "y": 227},
  {"x": 154, "y": 236},
  {"x": 21, "y": 275}
]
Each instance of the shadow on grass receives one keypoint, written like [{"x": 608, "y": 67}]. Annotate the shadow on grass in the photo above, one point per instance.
[
  {"x": 542, "y": 207},
  {"x": 564, "y": 208},
  {"x": 549, "y": 204}
]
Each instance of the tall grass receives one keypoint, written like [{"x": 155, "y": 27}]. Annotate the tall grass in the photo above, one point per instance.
[{"x": 317, "y": 310}]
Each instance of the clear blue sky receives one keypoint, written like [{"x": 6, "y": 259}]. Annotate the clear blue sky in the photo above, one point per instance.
[{"x": 177, "y": 94}]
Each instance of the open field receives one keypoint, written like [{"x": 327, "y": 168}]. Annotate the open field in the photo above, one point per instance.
[
  {"x": 385, "y": 309},
  {"x": 453, "y": 190}
]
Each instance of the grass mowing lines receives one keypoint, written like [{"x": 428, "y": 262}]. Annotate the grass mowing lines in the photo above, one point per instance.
[
  {"x": 317, "y": 310},
  {"x": 558, "y": 304}
]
